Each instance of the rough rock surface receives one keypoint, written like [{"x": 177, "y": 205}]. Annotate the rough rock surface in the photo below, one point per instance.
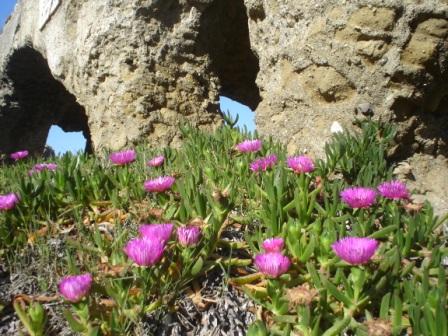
[
  {"x": 324, "y": 61},
  {"x": 121, "y": 71},
  {"x": 427, "y": 177}
]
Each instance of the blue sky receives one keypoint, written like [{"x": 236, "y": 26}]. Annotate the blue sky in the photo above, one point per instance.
[
  {"x": 62, "y": 142},
  {"x": 6, "y": 7}
]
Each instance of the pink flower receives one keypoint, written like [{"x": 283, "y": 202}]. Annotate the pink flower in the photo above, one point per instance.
[
  {"x": 159, "y": 184},
  {"x": 145, "y": 251},
  {"x": 355, "y": 250},
  {"x": 123, "y": 158},
  {"x": 248, "y": 146},
  {"x": 358, "y": 197},
  {"x": 300, "y": 164},
  {"x": 272, "y": 264},
  {"x": 162, "y": 232},
  {"x": 19, "y": 155},
  {"x": 156, "y": 161},
  {"x": 8, "y": 201},
  {"x": 189, "y": 235},
  {"x": 394, "y": 190},
  {"x": 75, "y": 287},
  {"x": 262, "y": 164},
  {"x": 273, "y": 244},
  {"x": 43, "y": 166}
]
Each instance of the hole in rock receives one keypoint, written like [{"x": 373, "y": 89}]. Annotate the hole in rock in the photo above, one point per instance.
[
  {"x": 246, "y": 117},
  {"x": 62, "y": 142},
  {"x": 224, "y": 35},
  {"x": 36, "y": 101}
]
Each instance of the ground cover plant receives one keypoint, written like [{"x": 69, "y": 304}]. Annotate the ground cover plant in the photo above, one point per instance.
[{"x": 327, "y": 247}]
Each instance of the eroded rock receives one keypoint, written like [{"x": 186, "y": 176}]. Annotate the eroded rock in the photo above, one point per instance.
[
  {"x": 319, "y": 60},
  {"x": 121, "y": 71}
]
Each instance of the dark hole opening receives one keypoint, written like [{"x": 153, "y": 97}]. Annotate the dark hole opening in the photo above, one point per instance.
[{"x": 36, "y": 102}]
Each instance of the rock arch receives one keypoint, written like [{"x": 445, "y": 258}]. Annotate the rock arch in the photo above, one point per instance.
[
  {"x": 224, "y": 35},
  {"x": 33, "y": 101}
]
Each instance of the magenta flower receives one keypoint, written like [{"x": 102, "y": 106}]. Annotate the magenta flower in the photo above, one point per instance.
[
  {"x": 19, "y": 155},
  {"x": 262, "y": 164},
  {"x": 161, "y": 232},
  {"x": 358, "y": 197},
  {"x": 159, "y": 184},
  {"x": 8, "y": 201},
  {"x": 156, "y": 161},
  {"x": 74, "y": 287},
  {"x": 394, "y": 190},
  {"x": 273, "y": 244},
  {"x": 272, "y": 264},
  {"x": 43, "y": 166},
  {"x": 189, "y": 235},
  {"x": 354, "y": 250},
  {"x": 145, "y": 251},
  {"x": 248, "y": 146},
  {"x": 300, "y": 164},
  {"x": 123, "y": 158}
]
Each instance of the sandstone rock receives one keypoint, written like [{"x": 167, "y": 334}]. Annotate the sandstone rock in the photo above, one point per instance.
[
  {"x": 430, "y": 181},
  {"x": 121, "y": 71},
  {"x": 364, "y": 108},
  {"x": 319, "y": 60}
]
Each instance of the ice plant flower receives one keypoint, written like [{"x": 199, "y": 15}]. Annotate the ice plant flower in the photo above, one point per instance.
[
  {"x": 262, "y": 164},
  {"x": 358, "y": 197},
  {"x": 273, "y": 244},
  {"x": 159, "y": 184},
  {"x": 8, "y": 201},
  {"x": 123, "y": 158},
  {"x": 393, "y": 190},
  {"x": 145, "y": 252},
  {"x": 43, "y": 166},
  {"x": 272, "y": 264},
  {"x": 355, "y": 250},
  {"x": 19, "y": 155},
  {"x": 156, "y": 161},
  {"x": 161, "y": 232},
  {"x": 300, "y": 164},
  {"x": 249, "y": 146},
  {"x": 189, "y": 235},
  {"x": 75, "y": 287}
]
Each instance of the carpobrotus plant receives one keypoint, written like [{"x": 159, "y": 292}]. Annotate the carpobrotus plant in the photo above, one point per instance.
[
  {"x": 317, "y": 253},
  {"x": 20, "y": 155},
  {"x": 160, "y": 232},
  {"x": 123, "y": 158},
  {"x": 300, "y": 164},
  {"x": 74, "y": 287},
  {"x": 8, "y": 201},
  {"x": 272, "y": 264},
  {"x": 189, "y": 235},
  {"x": 145, "y": 251},
  {"x": 249, "y": 146},
  {"x": 156, "y": 161},
  {"x": 275, "y": 244},
  {"x": 39, "y": 167},
  {"x": 358, "y": 197},
  {"x": 355, "y": 250},
  {"x": 264, "y": 163},
  {"x": 159, "y": 184},
  {"x": 394, "y": 190}
]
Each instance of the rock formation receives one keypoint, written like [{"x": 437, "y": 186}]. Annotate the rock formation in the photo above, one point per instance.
[
  {"x": 121, "y": 71},
  {"x": 127, "y": 71},
  {"x": 325, "y": 61}
]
